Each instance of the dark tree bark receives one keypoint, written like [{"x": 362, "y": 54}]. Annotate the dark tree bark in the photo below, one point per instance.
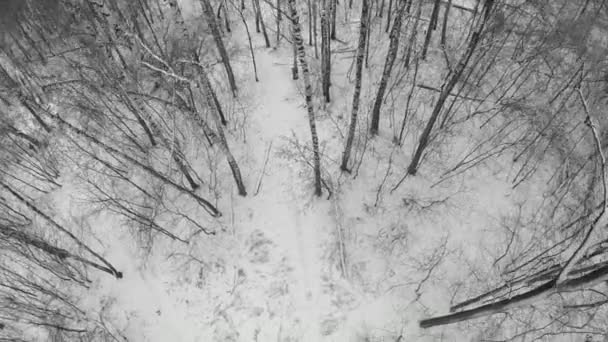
[
  {"x": 333, "y": 9},
  {"x": 356, "y": 96},
  {"x": 108, "y": 266},
  {"x": 325, "y": 50},
  {"x": 451, "y": 80},
  {"x": 388, "y": 66},
  {"x": 220, "y": 136},
  {"x": 431, "y": 28},
  {"x": 260, "y": 19},
  {"x": 541, "y": 292},
  {"x": 215, "y": 31}
]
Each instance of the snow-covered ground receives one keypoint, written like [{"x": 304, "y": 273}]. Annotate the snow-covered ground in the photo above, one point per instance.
[{"x": 274, "y": 271}]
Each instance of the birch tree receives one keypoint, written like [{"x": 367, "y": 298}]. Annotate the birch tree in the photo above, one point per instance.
[{"x": 299, "y": 42}]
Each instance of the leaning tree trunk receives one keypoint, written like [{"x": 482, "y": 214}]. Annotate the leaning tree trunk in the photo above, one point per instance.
[
  {"x": 208, "y": 206},
  {"x": 220, "y": 137},
  {"x": 215, "y": 31},
  {"x": 297, "y": 37},
  {"x": 431, "y": 28},
  {"x": 452, "y": 78},
  {"x": 108, "y": 266},
  {"x": 541, "y": 292},
  {"x": 325, "y": 50},
  {"x": 359, "y": 70},
  {"x": 388, "y": 67}
]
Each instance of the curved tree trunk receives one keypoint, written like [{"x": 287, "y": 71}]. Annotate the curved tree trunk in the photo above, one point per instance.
[
  {"x": 359, "y": 71},
  {"x": 297, "y": 37}
]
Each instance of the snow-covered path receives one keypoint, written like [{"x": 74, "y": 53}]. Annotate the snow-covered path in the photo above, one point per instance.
[{"x": 285, "y": 211}]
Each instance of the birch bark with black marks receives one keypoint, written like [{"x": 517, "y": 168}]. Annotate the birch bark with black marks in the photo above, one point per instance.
[
  {"x": 356, "y": 96},
  {"x": 451, "y": 80},
  {"x": 215, "y": 31},
  {"x": 388, "y": 66},
  {"x": 297, "y": 37}
]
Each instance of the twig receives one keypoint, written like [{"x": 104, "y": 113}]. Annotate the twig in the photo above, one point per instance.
[
  {"x": 262, "y": 174},
  {"x": 424, "y": 86}
]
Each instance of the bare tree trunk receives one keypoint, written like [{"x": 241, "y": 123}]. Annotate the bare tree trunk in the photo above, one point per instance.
[
  {"x": 32, "y": 111},
  {"x": 359, "y": 71},
  {"x": 325, "y": 49},
  {"x": 388, "y": 67},
  {"x": 414, "y": 33},
  {"x": 297, "y": 37},
  {"x": 279, "y": 18},
  {"x": 452, "y": 78},
  {"x": 333, "y": 8},
  {"x": 218, "y": 106},
  {"x": 210, "y": 208},
  {"x": 258, "y": 11},
  {"x": 56, "y": 225},
  {"x": 369, "y": 34},
  {"x": 255, "y": 66},
  {"x": 257, "y": 17},
  {"x": 541, "y": 292},
  {"x": 226, "y": 19},
  {"x": 431, "y": 28},
  {"x": 60, "y": 253},
  {"x": 310, "y": 15},
  {"x": 220, "y": 44},
  {"x": 294, "y": 67},
  {"x": 388, "y": 15},
  {"x": 315, "y": 12},
  {"x": 445, "y": 23},
  {"x": 220, "y": 137}
]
